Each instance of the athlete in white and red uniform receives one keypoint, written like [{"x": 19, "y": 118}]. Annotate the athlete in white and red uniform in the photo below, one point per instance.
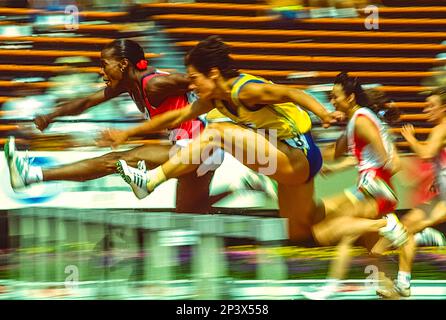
[
  {"x": 372, "y": 166},
  {"x": 440, "y": 173},
  {"x": 434, "y": 211},
  {"x": 124, "y": 70},
  {"x": 363, "y": 212}
]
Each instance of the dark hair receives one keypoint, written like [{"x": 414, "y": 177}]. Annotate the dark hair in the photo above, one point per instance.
[
  {"x": 126, "y": 49},
  {"x": 441, "y": 92},
  {"x": 375, "y": 100},
  {"x": 352, "y": 86},
  {"x": 380, "y": 104},
  {"x": 212, "y": 53}
]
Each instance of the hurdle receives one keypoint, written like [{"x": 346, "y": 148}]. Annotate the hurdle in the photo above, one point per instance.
[{"x": 120, "y": 252}]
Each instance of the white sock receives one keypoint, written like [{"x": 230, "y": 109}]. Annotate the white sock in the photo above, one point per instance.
[
  {"x": 34, "y": 174},
  {"x": 404, "y": 279},
  {"x": 391, "y": 223},
  {"x": 155, "y": 177}
]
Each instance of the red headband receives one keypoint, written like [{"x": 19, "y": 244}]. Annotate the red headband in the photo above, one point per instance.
[{"x": 142, "y": 64}]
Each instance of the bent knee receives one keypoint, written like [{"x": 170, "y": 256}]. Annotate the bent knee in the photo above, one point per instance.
[
  {"x": 110, "y": 159},
  {"x": 349, "y": 239},
  {"x": 414, "y": 220}
]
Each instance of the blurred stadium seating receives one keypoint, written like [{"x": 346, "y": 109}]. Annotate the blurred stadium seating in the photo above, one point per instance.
[
  {"x": 403, "y": 58},
  {"x": 43, "y": 62}
]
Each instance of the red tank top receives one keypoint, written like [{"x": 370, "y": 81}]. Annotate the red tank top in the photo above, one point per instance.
[{"x": 188, "y": 129}]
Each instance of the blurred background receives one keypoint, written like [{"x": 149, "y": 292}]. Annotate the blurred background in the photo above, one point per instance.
[{"x": 94, "y": 240}]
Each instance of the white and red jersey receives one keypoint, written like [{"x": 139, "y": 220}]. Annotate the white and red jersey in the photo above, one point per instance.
[
  {"x": 440, "y": 172},
  {"x": 362, "y": 150},
  {"x": 369, "y": 163}
]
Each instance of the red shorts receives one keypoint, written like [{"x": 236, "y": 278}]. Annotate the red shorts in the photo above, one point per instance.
[{"x": 385, "y": 205}]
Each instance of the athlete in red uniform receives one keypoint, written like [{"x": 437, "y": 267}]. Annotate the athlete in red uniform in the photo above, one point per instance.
[
  {"x": 124, "y": 69},
  {"x": 187, "y": 129}
]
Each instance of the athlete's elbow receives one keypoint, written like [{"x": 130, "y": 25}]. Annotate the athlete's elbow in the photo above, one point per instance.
[{"x": 79, "y": 107}]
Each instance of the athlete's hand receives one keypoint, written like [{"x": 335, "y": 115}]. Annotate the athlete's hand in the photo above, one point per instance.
[
  {"x": 408, "y": 132},
  {"x": 332, "y": 117},
  {"x": 112, "y": 138},
  {"x": 42, "y": 122}
]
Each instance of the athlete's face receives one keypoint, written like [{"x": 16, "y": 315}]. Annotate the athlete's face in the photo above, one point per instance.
[
  {"x": 111, "y": 68},
  {"x": 204, "y": 86},
  {"x": 339, "y": 99},
  {"x": 435, "y": 110}
]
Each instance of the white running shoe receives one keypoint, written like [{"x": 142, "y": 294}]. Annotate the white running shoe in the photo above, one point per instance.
[
  {"x": 395, "y": 292},
  {"x": 430, "y": 237},
  {"x": 402, "y": 291},
  {"x": 376, "y": 187},
  {"x": 136, "y": 178},
  {"x": 319, "y": 293},
  {"x": 394, "y": 231},
  {"x": 18, "y": 165},
  {"x": 260, "y": 182}
]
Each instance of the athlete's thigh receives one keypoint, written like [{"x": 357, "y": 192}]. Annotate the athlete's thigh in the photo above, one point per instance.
[
  {"x": 331, "y": 229},
  {"x": 369, "y": 210},
  {"x": 415, "y": 217},
  {"x": 262, "y": 153},
  {"x": 344, "y": 205},
  {"x": 334, "y": 203},
  {"x": 438, "y": 213},
  {"x": 323, "y": 231}
]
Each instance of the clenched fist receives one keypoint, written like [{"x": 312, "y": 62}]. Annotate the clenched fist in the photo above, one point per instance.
[{"x": 42, "y": 122}]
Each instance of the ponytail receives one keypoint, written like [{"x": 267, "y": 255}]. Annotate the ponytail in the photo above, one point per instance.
[
  {"x": 371, "y": 98},
  {"x": 380, "y": 104},
  {"x": 352, "y": 86}
]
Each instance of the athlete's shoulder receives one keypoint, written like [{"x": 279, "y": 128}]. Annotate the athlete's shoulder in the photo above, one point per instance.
[
  {"x": 364, "y": 111},
  {"x": 167, "y": 84},
  {"x": 161, "y": 79},
  {"x": 246, "y": 78},
  {"x": 247, "y": 86},
  {"x": 365, "y": 114},
  {"x": 364, "y": 125}
]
